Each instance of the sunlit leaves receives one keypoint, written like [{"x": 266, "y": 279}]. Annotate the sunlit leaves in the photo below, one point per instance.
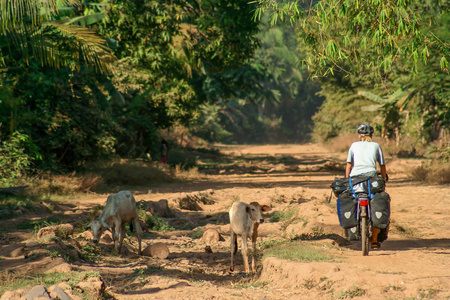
[
  {"x": 394, "y": 31},
  {"x": 33, "y": 28}
]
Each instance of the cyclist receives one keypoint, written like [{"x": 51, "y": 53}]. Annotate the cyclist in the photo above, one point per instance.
[{"x": 361, "y": 160}]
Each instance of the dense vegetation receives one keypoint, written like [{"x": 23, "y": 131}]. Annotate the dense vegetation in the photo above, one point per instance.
[
  {"x": 83, "y": 83},
  {"x": 388, "y": 62}
]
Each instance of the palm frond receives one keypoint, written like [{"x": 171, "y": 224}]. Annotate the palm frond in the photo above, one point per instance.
[
  {"x": 17, "y": 13},
  {"x": 372, "y": 97},
  {"x": 371, "y": 107},
  {"x": 404, "y": 101},
  {"x": 86, "y": 20},
  {"x": 94, "y": 49}
]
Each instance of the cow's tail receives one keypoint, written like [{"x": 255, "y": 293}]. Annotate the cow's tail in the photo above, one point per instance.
[
  {"x": 235, "y": 244},
  {"x": 131, "y": 226}
]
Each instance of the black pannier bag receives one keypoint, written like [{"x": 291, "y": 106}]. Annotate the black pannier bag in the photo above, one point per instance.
[
  {"x": 380, "y": 212},
  {"x": 352, "y": 234},
  {"x": 340, "y": 185},
  {"x": 376, "y": 185},
  {"x": 346, "y": 207}
]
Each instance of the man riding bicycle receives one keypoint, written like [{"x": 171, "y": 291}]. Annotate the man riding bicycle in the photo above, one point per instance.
[{"x": 361, "y": 160}]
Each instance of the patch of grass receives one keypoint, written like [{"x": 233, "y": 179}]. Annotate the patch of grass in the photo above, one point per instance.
[
  {"x": 50, "y": 184},
  {"x": 317, "y": 234},
  {"x": 196, "y": 234},
  {"x": 393, "y": 273},
  {"x": 154, "y": 222},
  {"x": 353, "y": 292},
  {"x": 12, "y": 281},
  {"x": 9, "y": 204},
  {"x": 253, "y": 284},
  {"x": 403, "y": 229},
  {"x": 309, "y": 283},
  {"x": 144, "y": 272},
  {"x": 287, "y": 217},
  {"x": 427, "y": 293},
  {"x": 270, "y": 244},
  {"x": 133, "y": 173},
  {"x": 89, "y": 253},
  {"x": 298, "y": 251},
  {"x": 325, "y": 285},
  {"x": 38, "y": 224},
  {"x": 433, "y": 173},
  {"x": 206, "y": 198},
  {"x": 394, "y": 288}
]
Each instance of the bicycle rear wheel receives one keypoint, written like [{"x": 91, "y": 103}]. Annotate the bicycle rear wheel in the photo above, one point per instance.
[{"x": 364, "y": 227}]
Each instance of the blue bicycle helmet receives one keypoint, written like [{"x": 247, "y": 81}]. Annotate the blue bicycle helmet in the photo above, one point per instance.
[{"x": 365, "y": 129}]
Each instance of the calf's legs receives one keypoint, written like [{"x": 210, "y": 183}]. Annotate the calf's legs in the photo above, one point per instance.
[
  {"x": 254, "y": 238},
  {"x": 245, "y": 253},
  {"x": 233, "y": 247},
  {"x": 138, "y": 232}
]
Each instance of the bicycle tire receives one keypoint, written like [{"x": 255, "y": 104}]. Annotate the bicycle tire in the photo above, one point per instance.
[{"x": 364, "y": 226}]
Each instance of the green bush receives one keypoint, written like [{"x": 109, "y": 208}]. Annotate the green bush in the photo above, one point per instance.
[
  {"x": 154, "y": 222},
  {"x": 14, "y": 161}
]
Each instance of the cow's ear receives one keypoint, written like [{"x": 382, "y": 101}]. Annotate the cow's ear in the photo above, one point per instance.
[
  {"x": 265, "y": 208},
  {"x": 89, "y": 225},
  {"x": 105, "y": 225}
]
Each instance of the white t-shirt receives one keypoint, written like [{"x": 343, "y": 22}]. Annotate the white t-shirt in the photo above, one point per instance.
[{"x": 364, "y": 156}]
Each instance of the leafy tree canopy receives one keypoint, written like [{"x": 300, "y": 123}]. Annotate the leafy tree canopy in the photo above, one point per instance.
[{"x": 354, "y": 35}]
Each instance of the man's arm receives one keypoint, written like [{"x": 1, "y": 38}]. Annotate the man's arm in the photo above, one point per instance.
[
  {"x": 383, "y": 171},
  {"x": 348, "y": 168}
]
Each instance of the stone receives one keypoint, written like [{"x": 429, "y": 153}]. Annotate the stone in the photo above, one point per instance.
[
  {"x": 211, "y": 236},
  {"x": 38, "y": 291},
  {"x": 158, "y": 250},
  {"x": 46, "y": 231},
  {"x": 61, "y": 268},
  {"x": 94, "y": 285},
  {"x": 58, "y": 293},
  {"x": 64, "y": 230},
  {"x": 87, "y": 235},
  {"x": 159, "y": 208},
  {"x": 31, "y": 243},
  {"x": 61, "y": 230},
  {"x": 17, "y": 252}
]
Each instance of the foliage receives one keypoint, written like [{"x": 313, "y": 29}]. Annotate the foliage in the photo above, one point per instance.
[
  {"x": 385, "y": 50},
  {"x": 14, "y": 161},
  {"x": 62, "y": 113},
  {"x": 348, "y": 35},
  {"x": 279, "y": 101},
  {"x": 154, "y": 222},
  {"x": 36, "y": 29}
]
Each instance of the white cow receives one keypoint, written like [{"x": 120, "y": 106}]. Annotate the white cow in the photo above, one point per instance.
[
  {"x": 244, "y": 221},
  {"x": 120, "y": 209}
]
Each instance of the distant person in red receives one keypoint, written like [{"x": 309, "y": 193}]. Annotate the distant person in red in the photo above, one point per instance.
[{"x": 164, "y": 151}]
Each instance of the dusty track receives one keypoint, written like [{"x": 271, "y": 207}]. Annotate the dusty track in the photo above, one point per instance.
[{"x": 413, "y": 263}]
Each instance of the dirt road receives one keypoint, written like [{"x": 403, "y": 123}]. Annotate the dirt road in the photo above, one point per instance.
[{"x": 414, "y": 263}]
